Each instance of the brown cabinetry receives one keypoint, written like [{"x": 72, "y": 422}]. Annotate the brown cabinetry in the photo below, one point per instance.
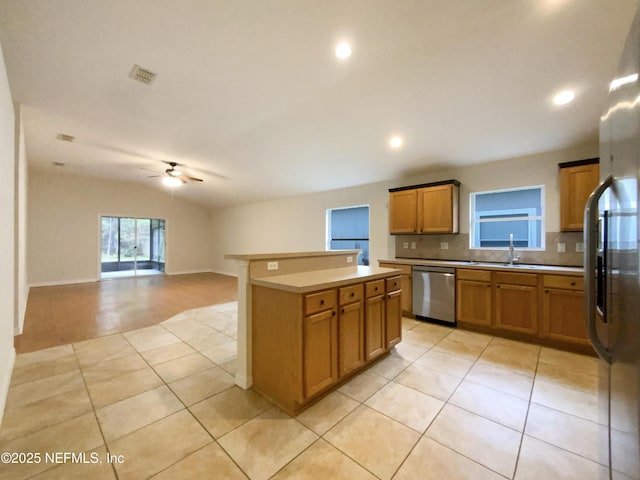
[
  {"x": 577, "y": 181},
  {"x": 426, "y": 209},
  {"x": 350, "y": 329},
  {"x": 304, "y": 344},
  {"x": 393, "y": 311},
  {"x": 563, "y": 309},
  {"x": 405, "y": 284},
  {"x": 516, "y": 306},
  {"x": 473, "y": 297}
]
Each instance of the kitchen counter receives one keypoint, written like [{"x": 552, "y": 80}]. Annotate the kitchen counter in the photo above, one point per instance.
[
  {"x": 319, "y": 279},
  {"x": 577, "y": 271}
]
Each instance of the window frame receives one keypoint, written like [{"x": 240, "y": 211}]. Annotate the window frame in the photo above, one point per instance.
[
  {"x": 328, "y": 238},
  {"x": 474, "y": 232}
]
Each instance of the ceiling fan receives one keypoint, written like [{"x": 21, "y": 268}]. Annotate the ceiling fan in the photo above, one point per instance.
[{"x": 174, "y": 177}]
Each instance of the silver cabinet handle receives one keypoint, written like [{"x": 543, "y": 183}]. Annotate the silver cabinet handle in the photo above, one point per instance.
[{"x": 590, "y": 245}]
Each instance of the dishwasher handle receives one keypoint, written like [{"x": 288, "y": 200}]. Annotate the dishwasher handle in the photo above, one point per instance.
[{"x": 445, "y": 270}]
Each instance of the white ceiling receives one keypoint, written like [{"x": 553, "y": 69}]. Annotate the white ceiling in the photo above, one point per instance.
[{"x": 250, "y": 97}]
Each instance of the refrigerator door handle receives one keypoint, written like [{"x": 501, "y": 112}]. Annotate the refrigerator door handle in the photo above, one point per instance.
[{"x": 590, "y": 248}]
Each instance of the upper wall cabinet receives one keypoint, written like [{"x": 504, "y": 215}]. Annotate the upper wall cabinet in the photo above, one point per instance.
[
  {"x": 577, "y": 181},
  {"x": 428, "y": 209}
]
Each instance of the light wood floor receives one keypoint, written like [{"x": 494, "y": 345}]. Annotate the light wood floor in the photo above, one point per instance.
[{"x": 71, "y": 313}]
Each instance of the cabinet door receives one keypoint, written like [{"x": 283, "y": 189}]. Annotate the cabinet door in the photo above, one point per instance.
[
  {"x": 351, "y": 338},
  {"x": 436, "y": 210},
  {"x": 563, "y": 315},
  {"x": 576, "y": 184},
  {"x": 374, "y": 330},
  {"x": 320, "y": 352},
  {"x": 403, "y": 211},
  {"x": 393, "y": 319},
  {"x": 405, "y": 296},
  {"x": 517, "y": 308},
  {"x": 473, "y": 302}
]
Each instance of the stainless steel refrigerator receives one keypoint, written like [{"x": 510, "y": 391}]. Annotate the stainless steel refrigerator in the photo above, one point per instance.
[{"x": 611, "y": 265}]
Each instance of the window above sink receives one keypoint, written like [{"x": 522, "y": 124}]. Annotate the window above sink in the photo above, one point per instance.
[{"x": 497, "y": 214}]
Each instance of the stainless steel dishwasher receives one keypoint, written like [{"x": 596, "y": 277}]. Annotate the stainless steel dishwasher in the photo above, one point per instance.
[{"x": 434, "y": 293}]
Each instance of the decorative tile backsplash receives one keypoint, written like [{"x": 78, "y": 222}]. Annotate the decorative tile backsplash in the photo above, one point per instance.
[{"x": 429, "y": 247}]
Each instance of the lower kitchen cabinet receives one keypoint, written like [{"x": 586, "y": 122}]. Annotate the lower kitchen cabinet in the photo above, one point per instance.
[
  {"x": 393, "y": 319},
  {"x": 351, "y": 354},
  {"x": 563, "y": 310},
  {"x": 473, "y": 297},
  {"x": 374, "y": 327},
  {"x": 516, "y": 302},
  {"x": 406, "y": 284},
  {"x": 304, "y": 344},
  {"x": 320, "y": 351}
]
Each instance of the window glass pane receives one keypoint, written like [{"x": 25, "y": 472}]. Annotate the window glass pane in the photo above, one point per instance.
[
  {"x": 143, "y": 231},
  {"x": 526, "y": 234},
  {"x": 350, "y": 223},
  {"x": 492, "y": 218},
  {"x": 109, "y": 239},
  {"x": 514, "y": 202},
  {"x": 349, "y": 229}
]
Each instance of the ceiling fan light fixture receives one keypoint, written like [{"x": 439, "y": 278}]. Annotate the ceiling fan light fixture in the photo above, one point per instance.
[
  {"x": 174, "y": 173},
  {"x": 170, "y": 181}
]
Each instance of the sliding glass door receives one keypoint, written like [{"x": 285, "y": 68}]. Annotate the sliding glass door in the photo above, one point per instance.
[{"x": 132, "y": 246}]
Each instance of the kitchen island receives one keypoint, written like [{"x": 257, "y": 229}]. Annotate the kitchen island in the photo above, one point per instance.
[{"x": 309, "y": 321}]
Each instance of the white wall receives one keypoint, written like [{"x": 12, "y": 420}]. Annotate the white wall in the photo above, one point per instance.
[
  {"x": 20, "y": 234},
  {"x": 63, "y": 225},
  {"x": 299, "y": 223},
  {"x": 7, "y": 240}
]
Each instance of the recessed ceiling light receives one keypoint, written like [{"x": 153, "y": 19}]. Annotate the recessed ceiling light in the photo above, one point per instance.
[
  {"x": 396, "y": 142},
  {"x": 343, "y": 50},
  {"x": 564, "y": 97},
  {"x": 171, "y": 181}
]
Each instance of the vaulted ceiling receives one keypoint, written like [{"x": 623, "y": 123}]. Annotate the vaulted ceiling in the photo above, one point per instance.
[{"x": 250, "y": 97}]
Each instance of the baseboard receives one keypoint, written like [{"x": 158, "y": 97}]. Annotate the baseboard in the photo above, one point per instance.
[
  {"x": 18, "y": 330},
  {"x": 187, "y": 272},
  {"x": 63, "y": 282},
  {"x": 243, "y": 381},
  {"x": 5, "y": 379},
  {"x": 228, "y": 274}
]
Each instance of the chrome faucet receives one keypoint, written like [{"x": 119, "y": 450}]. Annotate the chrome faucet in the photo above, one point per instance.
[{"x": 512, "y": 259}]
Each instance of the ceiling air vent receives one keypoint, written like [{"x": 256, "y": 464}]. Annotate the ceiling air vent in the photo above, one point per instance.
[
  {"x": 142, "y": 75},
  {"x": 65, "y": 138}
]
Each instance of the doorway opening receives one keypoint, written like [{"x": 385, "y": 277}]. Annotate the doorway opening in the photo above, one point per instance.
[{"x": 131, "y": 246}]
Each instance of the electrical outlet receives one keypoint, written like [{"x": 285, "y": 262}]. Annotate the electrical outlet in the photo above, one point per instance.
[
  {"x": 405, "y": 245},
  {"x": 413, "y": 245},
  {"x": 349, "y": 259},
  {"x": 579, "y": 247},
  {"x": 444, "y": 245},
  {"x": 272, "y": 265},
  {"x": 562, "y": 247}
]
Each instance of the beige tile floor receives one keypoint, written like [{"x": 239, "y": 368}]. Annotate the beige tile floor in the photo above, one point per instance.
[{"x": 446, "y": 404}]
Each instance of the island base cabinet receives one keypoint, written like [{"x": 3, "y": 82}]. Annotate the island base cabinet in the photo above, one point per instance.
[
  {"x": 351, "y": 338},
  {"x": 374, "y": 327},
  {"x": 393, "y": 320},
  {"x": 320, "y": 352}
]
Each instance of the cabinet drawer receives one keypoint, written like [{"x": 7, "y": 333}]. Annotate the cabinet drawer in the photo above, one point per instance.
[
  {"x": 374, "y": 288},
  {"x": 317, "y": 302},
  {"x": 352, "y": 293},
  {"x": 477, "y": 275},
  {"x": 394, "y": 283},
  {"x": 558, "y": 281},
  {"x": 527, "y": 279},
  {"x": 406, "y": 269}
]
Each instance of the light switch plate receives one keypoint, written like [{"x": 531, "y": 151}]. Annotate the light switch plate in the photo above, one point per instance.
[
  {"x": 272, "y": 265},
  {"x": 349, "y": 259},
  {"x": 413, "y": 245},
  {"x": 405, "y": 245},
  {"x": 444, "y": 245},
  {"x": 579, "y": 247},
  {"x": 562, "y": 247}
]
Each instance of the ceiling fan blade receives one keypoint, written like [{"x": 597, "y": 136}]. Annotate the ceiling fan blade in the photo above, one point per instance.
[
  {"x": 193, "y": 178},
  {"x": 154, "y": 176},
  {"x": 149, "y": 170}
]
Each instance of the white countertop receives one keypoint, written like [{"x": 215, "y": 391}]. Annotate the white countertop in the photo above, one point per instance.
[
  {"x": 319, "y": 279},
  {"x": 489, "y": 266}
]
